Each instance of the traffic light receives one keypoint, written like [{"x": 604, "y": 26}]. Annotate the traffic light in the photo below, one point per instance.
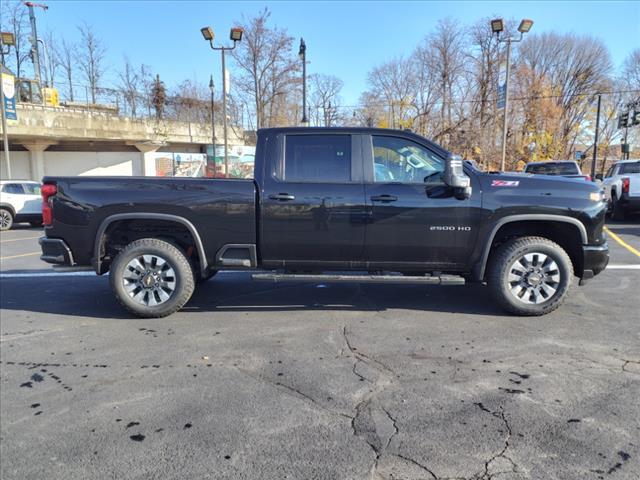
[
  {"x": 623, "y": 120},
  {"x": 635, "y": 118}
]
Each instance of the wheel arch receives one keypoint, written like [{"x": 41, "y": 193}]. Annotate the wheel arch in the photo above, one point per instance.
[
  {"x": 8, "y": 206},
  {"x": 570, "y": 233},
  {"x": 117, "y": 219}
]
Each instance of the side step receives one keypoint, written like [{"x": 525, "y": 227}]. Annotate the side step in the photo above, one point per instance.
[{"x": 340, "y": 278}]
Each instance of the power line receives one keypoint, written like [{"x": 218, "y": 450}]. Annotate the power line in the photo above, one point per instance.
[{"x": 461, "y": 102}]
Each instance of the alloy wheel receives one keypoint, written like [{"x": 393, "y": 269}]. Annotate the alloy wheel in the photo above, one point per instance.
[
  {"x": 149, "y": 279},
  {"x": 533, "y": 278}
]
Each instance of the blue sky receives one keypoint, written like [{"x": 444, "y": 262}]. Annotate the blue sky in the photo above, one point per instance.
[{"x": 345, "y": 39}]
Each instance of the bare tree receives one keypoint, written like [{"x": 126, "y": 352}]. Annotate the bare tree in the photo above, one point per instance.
[
  {"x": 91, "y": 58},
  {"x": 267, "y": 67},
  {"x": 325, "y": 96},
  {"x": 129, "y": 86},
  {"x": 64, "y": 54},
  {"x": 576, "y": 67},
  {"x": 391, "y": 83},
  {"x": 14, "y": 19}
]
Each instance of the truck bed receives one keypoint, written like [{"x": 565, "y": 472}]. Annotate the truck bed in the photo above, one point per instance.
[{"x": 222, "y": 210}]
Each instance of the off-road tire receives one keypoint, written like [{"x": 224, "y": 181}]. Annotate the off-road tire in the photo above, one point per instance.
[
  {"x": 508, "y": 253},
  {"x": 7, "y": 219},
  {"x": 174, "y": 256}
]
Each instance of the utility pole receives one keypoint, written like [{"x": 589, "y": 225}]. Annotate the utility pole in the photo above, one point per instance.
[{"x": 595, "y": 140}]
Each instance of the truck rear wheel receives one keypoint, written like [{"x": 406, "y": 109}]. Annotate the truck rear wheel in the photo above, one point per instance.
[
  {"x": 530, "y": 276},
  {"x": 151, "y": 278}
]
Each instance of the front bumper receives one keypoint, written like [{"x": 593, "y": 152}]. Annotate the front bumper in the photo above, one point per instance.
[
  {"x": 595, "y": 260},
  {"x": 56, "y": 251}
]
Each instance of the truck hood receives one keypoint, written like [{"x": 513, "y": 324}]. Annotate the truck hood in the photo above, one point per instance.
[{"x": 530, "y": 182}]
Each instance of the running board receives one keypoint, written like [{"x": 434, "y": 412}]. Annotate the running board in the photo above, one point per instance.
[{"x": 324, "y": 278}]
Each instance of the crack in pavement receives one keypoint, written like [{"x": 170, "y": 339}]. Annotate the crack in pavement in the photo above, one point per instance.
[
  {"x": 417, "y": 464},
  {"x": 294, "y": 392},
  {"x": 502, "y": 453}
]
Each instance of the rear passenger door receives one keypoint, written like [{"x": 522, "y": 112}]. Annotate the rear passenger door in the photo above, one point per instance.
[{"x": 313, "y": 204}]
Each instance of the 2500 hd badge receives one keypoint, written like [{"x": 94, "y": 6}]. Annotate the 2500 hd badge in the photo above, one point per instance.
[{"x": 449, "y": 228}]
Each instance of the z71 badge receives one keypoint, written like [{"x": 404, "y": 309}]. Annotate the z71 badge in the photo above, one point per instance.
[{"x": 505, "y": 183}]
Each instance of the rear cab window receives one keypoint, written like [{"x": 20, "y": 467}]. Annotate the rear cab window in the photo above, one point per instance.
[
  {"x": 553, "y": 168},
  {"x": 310, "y": 158},
  {"x": 629, "y": 168}
]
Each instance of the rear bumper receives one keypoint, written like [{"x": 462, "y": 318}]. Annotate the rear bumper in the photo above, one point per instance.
[
  {"x": 632, "y": 203},
  {"x": 56, "y": 251},
  {"x": 596, "y": 259}
]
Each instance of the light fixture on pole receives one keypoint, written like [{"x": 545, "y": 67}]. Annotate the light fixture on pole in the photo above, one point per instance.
[
  {"x": 497, "y": 27},
  {"x": 302, "y": 53},
  {"x": 235, "y": 35}
]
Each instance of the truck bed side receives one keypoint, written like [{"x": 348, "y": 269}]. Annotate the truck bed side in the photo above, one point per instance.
[{"x": 222, "y": 211}]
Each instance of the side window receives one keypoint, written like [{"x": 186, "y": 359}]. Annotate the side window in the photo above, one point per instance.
[
  {"x": 14, "y": 188},
  {"x": 403, "y": 161},
  {"x": 609, "y": 173},
  {"x": 31, "y": 188},
  {"x": 317, "y": 158}
]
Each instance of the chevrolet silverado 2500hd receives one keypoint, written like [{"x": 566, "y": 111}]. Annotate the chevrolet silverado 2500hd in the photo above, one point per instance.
[{"x": 331, "y": 205}]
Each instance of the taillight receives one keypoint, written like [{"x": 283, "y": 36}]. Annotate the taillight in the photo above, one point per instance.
[
  {"x": 587, "y": 178},
  {"x": 625, "y": 185},
  {"x": 47, "y": 190}
]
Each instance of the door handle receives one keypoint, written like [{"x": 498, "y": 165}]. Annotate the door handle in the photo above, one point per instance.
[
  {"x": 384, "y": 198},
  {"x": 282, "y": 196}
]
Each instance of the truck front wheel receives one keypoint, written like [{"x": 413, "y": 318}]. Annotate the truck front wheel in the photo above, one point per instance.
[
  {"x": 530, "y": 276},
  {"x": 151, "y": 278}
]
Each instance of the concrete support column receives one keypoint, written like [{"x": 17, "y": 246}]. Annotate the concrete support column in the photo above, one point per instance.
[
  {"x": 36, "y": 158},
  {"x": 147, "y": 164}
]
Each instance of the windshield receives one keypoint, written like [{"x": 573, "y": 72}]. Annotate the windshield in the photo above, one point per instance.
[{"x": 553, "y": 168}]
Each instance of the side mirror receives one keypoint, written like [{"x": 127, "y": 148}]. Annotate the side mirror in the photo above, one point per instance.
[
  {"x": 455, "y": 177},
  {"x": 599, "y": 176}
]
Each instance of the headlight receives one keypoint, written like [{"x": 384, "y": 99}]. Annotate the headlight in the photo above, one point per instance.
[{"x": 597, "y": 196}]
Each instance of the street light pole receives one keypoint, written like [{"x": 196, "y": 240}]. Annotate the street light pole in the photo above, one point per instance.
[
  {"x": 506, "y": 106},
  {"x": 497, "y": 26},
  {"x": 236, "y": 36},
  {"x": 302, "y": 53},
  {"x": 595, "y": 141},
  {"x": 5, "y": 134}
]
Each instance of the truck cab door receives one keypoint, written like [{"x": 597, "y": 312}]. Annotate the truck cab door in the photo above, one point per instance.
[
  {"x": 312, "y": 204},
  {"x": 416, "y": 222}
]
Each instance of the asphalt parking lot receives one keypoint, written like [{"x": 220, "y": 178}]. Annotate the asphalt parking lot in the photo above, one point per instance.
[{"x": 305, "y": 381}]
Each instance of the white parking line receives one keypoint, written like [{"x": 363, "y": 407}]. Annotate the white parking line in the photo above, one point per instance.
[{"x": 623, "y": 267}]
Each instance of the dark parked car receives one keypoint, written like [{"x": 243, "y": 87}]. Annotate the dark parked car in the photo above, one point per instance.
[{"x": 380, "y": 205}]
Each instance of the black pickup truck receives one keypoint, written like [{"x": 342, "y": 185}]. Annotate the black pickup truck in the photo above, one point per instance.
[{"x": 331, "y": 205}]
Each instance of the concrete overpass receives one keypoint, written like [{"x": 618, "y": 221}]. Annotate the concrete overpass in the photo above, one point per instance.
[{"x": 90, "y": 140}]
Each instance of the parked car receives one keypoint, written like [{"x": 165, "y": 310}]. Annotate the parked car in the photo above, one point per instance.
[
  {"x": 621, "y": 186},
  {"x": 381, "y": 205},
  {"x": 563, "y": 168},
  {"x": 20, "y": 201}
]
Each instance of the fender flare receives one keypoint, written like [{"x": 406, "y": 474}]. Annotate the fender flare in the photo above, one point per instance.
[
  {"x": 147, "y": 216},
  {"x": 482, "y": 265}
]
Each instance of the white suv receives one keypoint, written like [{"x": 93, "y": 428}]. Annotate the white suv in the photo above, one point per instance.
[
  {"x": 621, "y": 186},
  {"x": 20, "y": 201}
]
